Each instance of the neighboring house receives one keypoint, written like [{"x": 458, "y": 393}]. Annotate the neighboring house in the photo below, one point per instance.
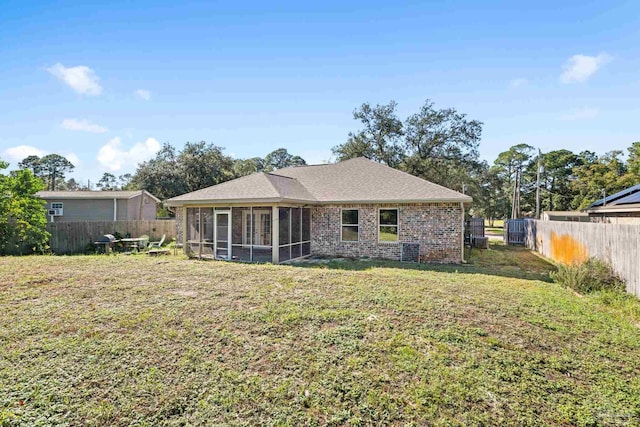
[
  {"x": 355, "y": 208},
  {"x": 572, "y": 216},
  {"x": 622, "y": 207},
  {"x": 99, "y": 205}
]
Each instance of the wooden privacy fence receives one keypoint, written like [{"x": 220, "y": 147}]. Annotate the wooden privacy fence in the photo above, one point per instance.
[
  {"x": 571, "y": 242},
  {"x": 74, "y": 236},
  {"x": 514, "y": 232}
]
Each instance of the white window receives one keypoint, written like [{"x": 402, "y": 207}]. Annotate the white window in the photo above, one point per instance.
[
  {"x": 388, "y": 225},
  {"x": 349, "y": 225}
]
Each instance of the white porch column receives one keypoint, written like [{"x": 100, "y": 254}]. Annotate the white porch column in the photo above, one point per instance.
[{"x": 275, "y": 235}]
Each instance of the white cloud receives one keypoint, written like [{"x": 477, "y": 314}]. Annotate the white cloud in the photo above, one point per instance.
[
  {"x": 82, "y": 79},
  {"x": 115, "y": 157},
  {"x": 74, "y": 159},
  {"x": 19, "y": 152},
  {"x": 516, "y": 83},
  {"x": 579, "y": 68},
  {"x": 582, "y": 114},
  {"x": 82, "y": 125},
  {"x": 143, "y": 94}
]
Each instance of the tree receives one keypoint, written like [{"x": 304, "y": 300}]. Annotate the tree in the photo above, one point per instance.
[
  {"x": 73, "y": 185},
  {"x": 442, "y": 146},
  {"x": 380, "y": 138},
  {"x": 556, "y": 175},
  {"x": 596, "y": 176},
  {"x": 160, "y": 175},
  {"x": 633, "y": 161},
  {"x": 107, "y": 182},
  {"x": 22, "y": 213},
  {"x": 125, "y": 180},
  {"x": 281, "y": 158},
  {"x": 510, "y": 165},
  {"x": 439, "y": 145},
  {"x": 490, "y": 201},
  {"x": 202, "y": 165},
  {"x": 33, "y": 163},
  {"x": 54, "y": 167},
  {"x": 242, "y": 167}
]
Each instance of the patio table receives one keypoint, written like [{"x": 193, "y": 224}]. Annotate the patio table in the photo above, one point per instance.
[{"x": 133, "y": 242}]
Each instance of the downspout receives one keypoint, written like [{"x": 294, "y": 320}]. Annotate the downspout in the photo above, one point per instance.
[
  {"x": 115, "y": 209},
  {"x": 462, "y": 233}
]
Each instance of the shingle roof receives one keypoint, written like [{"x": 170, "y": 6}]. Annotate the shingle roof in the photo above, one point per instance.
[
  {"x": 353, "y": 181},
  {"x": 258, "y": 186},
  {"x": 362, "y": 180},
  {"x": 92, "y": 194}
]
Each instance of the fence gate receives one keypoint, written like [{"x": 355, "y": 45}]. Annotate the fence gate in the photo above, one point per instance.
[
  {"x": 476, "y": 227},
  {"x": 514, "y": 231}
]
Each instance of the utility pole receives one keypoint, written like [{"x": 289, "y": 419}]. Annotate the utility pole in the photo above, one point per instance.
[
  {"x": 515, "y": 208},
  {"x": 538, "y": 186}
]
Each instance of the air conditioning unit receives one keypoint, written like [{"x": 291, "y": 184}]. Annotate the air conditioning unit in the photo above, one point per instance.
[{"x": 55, "y": 212}]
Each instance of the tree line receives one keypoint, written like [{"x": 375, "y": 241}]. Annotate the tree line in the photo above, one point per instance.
[
  {"x": 439, "y": 145},
  {"x": 442, "y": 146}
]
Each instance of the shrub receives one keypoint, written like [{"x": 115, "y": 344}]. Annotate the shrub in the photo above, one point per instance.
[
  {"x": 23, "y": 224},
  {"x": 590, "y": 276}
]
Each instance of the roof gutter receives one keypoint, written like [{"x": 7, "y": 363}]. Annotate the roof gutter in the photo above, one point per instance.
[{"x": 235, "y": 202}]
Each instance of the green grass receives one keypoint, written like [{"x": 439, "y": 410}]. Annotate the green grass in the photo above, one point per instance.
[
  {"x": 494, "y": 230},
  {"x": 98, "y": 340},
  {"x": 497, "y": 223}
]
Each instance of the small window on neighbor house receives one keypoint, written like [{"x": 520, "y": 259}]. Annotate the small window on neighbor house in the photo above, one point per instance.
[
  {"x": 349, "y": 225},
  {"x": 388, "y": 224},
  {"x": 56, "y": 205}
]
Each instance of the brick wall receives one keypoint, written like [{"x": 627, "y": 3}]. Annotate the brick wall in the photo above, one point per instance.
[
  {"x": 179, "y": 217},
  {"x": 436, "y": 226}
]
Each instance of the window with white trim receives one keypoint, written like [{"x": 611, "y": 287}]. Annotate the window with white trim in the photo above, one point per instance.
[
  {"x": 349, "y": 225},
  {"x": 388, "y": 225}
]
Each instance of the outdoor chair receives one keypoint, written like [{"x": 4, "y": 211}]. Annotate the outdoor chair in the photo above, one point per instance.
[{"x": 157, "y": 245}]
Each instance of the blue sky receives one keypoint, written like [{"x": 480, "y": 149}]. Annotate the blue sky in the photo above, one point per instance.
[{"x": 106, "y": 83}]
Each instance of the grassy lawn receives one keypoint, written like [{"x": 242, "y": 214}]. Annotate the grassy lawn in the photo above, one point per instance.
[
  {"x": 498, "y": 223},
  {"x": 133, "y": 340},
  {"x": 494, "y": 230}
]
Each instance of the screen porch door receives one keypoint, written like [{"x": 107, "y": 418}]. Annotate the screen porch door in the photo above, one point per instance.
[{"x": 223, "y": 236}]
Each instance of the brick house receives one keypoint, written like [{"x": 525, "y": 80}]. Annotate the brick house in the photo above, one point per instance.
[{"x": 355, "y": 208}]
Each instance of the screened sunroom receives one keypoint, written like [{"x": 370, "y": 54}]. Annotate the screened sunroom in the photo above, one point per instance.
[{"x": 249, "y": 233}]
